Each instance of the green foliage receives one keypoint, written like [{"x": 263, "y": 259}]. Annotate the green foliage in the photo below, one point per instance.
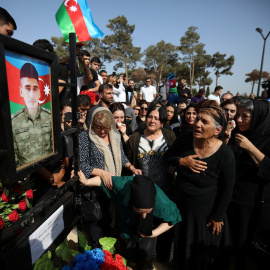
[
  {"x": 82, "y": 239},
  {"x": 108, "y": 243},
  {"x": 222, "y": 65},
  {"x": 97, "y": 48},
  {"x": 158, "y": 56},
  {"x": 119, "y": 45},
  {"x": 44, "y": 262},
  {"x": 207, "y": 91},
  {"x": 190, "y": 47},
  {"x": 62, "y": 251},
  {"x": 194, "y": 91},
  {"x": 61, "y": 47}
]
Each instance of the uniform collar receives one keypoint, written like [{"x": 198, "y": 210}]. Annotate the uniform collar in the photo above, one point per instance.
[{"x": 28, "y": 115}]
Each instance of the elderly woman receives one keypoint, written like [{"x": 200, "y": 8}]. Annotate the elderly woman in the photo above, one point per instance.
[
  {"x": 102, "y": 154},
  {"x": 204, "y": 185},
  {"x": 146, "y": 148},
  {"x": 249, "y": 210}
]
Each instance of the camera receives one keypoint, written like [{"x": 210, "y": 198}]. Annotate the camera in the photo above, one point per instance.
[{"x": 266, "y": 85}]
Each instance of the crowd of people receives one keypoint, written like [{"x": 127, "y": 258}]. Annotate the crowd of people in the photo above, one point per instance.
[{"x": 183, "y": 179}]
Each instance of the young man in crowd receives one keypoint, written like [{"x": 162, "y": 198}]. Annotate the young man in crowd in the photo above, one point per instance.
[
  {"x": 94, "y": 84},
  {"x": 104, "y": 75},
  {"x": 225, "y": 97},
  {"x": 216, "y": 94},
  {"x": 148, "y": 92},
  {"x": 200, "y": 96},
  {"x": 106, "y": 98},
  {"x": 7, "y": 23},
  {"x": 183, "y": 92},
  {"x": 95, "y": 64}
]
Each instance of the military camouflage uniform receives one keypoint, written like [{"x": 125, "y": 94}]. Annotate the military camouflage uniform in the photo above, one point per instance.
[{"x": 32, "y": 137}]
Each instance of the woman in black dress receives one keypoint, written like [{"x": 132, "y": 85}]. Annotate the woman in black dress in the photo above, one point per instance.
[
  {"x": 250, "y": 142},
  {"x": 204, "y": 185}
]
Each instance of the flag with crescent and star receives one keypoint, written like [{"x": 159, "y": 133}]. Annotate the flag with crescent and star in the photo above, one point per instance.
[
  {"x": 74, "y": 16},
  {"x": 14, "y": 62}
]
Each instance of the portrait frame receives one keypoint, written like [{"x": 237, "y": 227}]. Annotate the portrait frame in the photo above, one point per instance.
[{"x": 13, "y": 55}]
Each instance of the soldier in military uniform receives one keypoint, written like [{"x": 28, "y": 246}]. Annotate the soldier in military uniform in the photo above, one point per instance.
[{"x": 32, "y": 125}]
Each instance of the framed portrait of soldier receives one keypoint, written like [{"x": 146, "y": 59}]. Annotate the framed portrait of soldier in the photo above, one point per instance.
[{"x": 30, "y": 109}]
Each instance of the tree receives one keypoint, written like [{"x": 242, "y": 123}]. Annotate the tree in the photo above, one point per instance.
[
  {"x": 202, "y": 62},
  {"x": 254, "y": 76},
  {"x": 138, "y": 75},
  {"x": 189, "y": 47},
  {"x": 61, "y": 47},
  {"x": 221, "y": 65},
  {"x": 158, "y": 56},
  {"x": 96, "y": 48},
  {"x": 119, "y": 45},
  {"x": 207, "y": 91}
]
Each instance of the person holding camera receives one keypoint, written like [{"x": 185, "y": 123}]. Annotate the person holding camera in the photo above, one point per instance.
[{"x": 183, "y": 92}]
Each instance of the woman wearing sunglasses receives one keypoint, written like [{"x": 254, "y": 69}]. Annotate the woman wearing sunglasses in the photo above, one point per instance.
[{"x": 143, "y": 110}]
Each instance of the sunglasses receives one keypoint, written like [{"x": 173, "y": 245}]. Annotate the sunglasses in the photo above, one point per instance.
[
  {"x": 145, "y": 109},
  {"x": 101, "y": 128}
]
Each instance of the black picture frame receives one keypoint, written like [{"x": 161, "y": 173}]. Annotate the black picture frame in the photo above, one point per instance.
[{"x": 9, "y": 171}]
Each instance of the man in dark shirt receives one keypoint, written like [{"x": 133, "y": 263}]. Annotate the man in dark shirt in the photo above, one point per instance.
[
  {"x": 200, "y": 96},
  {"x": 183, "y": 92},
  {"x": 106, "y": 98},
  {"x": 94, "y": 84},
  {"x": 7, "y": 23}
]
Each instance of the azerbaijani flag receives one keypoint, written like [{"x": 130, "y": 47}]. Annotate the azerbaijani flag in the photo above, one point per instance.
[
  {"x": 14, "y": 62},
  {"x": 74, "y": 16}
]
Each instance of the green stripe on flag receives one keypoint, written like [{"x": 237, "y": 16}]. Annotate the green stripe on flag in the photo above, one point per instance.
[
  {"x": 64, "y": 22},
  {"x": 47, "y": 106},
  {"x": 14, "y": 107}
]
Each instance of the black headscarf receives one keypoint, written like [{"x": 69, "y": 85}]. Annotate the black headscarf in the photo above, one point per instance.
[
  {"x": 143, "y": 195},
  {"x": 218, "y": 114},
  {"x": 260, "y": 127}
]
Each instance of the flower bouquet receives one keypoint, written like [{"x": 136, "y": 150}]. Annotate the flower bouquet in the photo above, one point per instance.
[
  {"x": 14, "y": 202},
  {"x": 96, "y": 259}
]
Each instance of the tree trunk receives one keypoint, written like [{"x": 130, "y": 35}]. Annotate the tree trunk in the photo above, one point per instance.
[
  {"x": 217, "y": 73},
  {"x": 192, "y": 75},
  {"x": 252, "y": 89},
  {"x": 190, "y": 71},
  {"x": 126, "y": 70}
]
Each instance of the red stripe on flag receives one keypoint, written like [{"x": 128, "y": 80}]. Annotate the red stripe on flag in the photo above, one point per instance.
[{"x": 79, "y": 23}]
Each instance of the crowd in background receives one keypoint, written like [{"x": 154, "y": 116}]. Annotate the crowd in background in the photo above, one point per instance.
[{"x": 156, "y": 152}]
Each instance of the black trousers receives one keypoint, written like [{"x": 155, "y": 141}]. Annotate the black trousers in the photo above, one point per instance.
[{"x": 140, "y": 251}]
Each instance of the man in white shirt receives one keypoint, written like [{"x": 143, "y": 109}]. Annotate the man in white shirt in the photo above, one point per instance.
[
  {"x": 216, "y": 94},
  {"x": 148, "y": 92}
]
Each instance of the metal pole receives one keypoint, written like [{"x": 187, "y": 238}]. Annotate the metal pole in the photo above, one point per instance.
[{"x": 260, "y": 78}]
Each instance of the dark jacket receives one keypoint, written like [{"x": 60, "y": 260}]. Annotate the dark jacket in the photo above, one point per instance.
[{"x": 134, "y": 140}]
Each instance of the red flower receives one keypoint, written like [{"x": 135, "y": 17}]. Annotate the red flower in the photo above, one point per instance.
[
  {"x": 5, "y": 198},
  {"x": 2, "y": 225},
  {"x": 13, "y": 216},
  {"x": 17, "y": 188},
  {"x": 29, "y": 194},
  {"x": 22, "y": 205}
]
